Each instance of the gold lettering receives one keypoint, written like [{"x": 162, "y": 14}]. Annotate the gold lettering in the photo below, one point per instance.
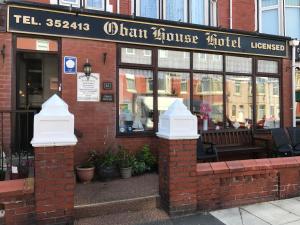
[
  {"x": 17, "y": 17},
  {"x": 26, "y": 19}
]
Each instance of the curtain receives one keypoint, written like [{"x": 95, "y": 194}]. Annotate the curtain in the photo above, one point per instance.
[
  {"x": 149, "y": 8},
  {"x": 197, "y": 11},
  {"x": 175, "y": 10}
]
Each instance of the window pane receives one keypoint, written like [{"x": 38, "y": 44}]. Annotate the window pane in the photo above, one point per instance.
[
  {"x": 292, "y": 2},
  {"x": 266, "y": 66},
  {"x": 173, "y": 59},
  {"x": 175, "y": 10},
  {"x": 197, "y": 11},
  {"x": 204, "y": 61},
  {"x": 270, "y": 21},
  {"x": 149, "y": 8},
  {"x": 238, "y": 102},
  {"x": 136, "y": 56},
  {"x": 292, "y": 22},
  {"x": 266, "y": 3},
  {"x": 135, "y": 100},
  {"x": 238, "y": 64},
  {"x": 94, "y": 4},
  {"x": 208, "y": 99},
  {"x": 268, "y": 103},
  {"x": 172, "y": 86}
]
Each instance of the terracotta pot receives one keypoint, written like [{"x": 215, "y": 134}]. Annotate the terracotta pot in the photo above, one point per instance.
[
  {"x": 125, "y": 172},
  {"x": 85, "y": 175}
]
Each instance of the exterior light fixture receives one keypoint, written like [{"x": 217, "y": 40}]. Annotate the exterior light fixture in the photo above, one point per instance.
[{"x": 87, "y": 68}]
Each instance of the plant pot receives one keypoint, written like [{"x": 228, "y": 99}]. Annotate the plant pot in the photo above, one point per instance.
[
  {"x": 85, "y": 175},
  {"x": 106, "y": 173},
  {"x": 125, "y": 172}
]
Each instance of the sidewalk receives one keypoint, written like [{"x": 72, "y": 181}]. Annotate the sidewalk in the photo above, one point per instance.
[{"x": 281, "y": 212}]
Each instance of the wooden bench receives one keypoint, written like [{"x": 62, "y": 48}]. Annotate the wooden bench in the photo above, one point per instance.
[{"x": 236, "y": 140}]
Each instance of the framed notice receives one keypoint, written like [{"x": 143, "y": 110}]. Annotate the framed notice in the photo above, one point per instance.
[{"x": 88, "y": 87}]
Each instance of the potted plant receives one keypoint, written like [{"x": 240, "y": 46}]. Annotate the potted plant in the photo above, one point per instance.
[
  {"x": 125, "y": 163},
  {"x": 86, "y": 170},
  {"x": 106, "y": 165}
]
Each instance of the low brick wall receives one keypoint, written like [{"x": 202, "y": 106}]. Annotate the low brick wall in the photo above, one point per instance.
[
  {"x": 235, "y": 183},
  {"x": 17, "y": 199}
]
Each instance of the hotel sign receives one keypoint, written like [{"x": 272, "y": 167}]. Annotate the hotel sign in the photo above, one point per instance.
[{"x": 67, "y": 24}]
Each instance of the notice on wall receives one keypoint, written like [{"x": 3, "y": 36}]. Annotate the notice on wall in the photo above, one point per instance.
[{"x": 88, "y": 87}]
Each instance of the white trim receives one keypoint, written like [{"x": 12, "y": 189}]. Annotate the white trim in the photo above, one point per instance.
[
  {"x": 256, "y": 14},
  {"x": 68, "y": 3}
]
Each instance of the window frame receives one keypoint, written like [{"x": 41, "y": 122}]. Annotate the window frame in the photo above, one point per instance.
[
  {"x": 193, "y": 90},
  {"x": 102, "y": 8}
]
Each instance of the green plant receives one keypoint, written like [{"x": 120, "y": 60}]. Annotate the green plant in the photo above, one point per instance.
[
  {"x": 146, "y": 156},
  {"x": 108, "y": 159},
  {"x": 125, "y": 159},
  {"x": 138, "y": 167}
]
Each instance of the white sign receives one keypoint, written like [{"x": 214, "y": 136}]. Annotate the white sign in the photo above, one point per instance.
[
  {"x": 42, "y": 45},
  {"x": 88, "y": 88}
]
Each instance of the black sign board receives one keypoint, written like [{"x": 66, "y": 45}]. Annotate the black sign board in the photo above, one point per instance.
[
  {"x": 107, "y": 85},
  {"x": 107, "y": 97},
  {"x": 68, "y": 24}
]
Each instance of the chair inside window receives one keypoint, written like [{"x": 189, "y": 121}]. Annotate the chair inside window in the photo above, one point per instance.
[
  {"x": 206, "y": 151},
  {"x": 294, "y": 133},
  {"x": 281, "y": 142}
]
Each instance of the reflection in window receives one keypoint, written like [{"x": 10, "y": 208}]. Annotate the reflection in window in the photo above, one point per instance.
[
  {"x": 173, "y": 59},
  {"x": 236, "y": 64},
  {"x": 209, "y": 62},
  {"x": 175, "y": 10},
  {"x": 268, "y": 105},
  {"x": 292, "y": 18},
  {"x": 135, "y": 107},
  {"x": 270, "y": 16},
  {"x": 197, "y": 11},
  {"x": 236, "y": 115},
  {"x": 170, "y": 89},
  {"x": 260, "y": 85},
  {"x": 237, "y": 87},
  {"x": 208, "y": 99},
  {"x": 136, "y": 56}
]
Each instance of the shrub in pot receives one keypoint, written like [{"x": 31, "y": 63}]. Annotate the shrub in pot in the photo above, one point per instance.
[
  {"x": 145, "y": 161},
  {"x": 125, "y": 163},
  {"x": 106, "y": 165},
  {"x": 85, "y": 172}
]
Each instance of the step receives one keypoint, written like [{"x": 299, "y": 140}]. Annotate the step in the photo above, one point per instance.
[{"x": 118, "y": 206}]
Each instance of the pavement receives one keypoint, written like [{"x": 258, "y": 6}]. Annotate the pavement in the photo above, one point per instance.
[{"x": 281, "y": 212}]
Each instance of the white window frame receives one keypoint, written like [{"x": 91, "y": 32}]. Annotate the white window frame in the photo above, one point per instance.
[
  {"x": 130, "y": 77},
  {"x": 68, "y": 3},
  {"x": 95, "y": 8},
  {"x": 138, "y": 8},
  {"x": 185, "y": 13},
  {"x": 213, "y": 14},
  {"x": 279, "y": 7},
  {"x": 284, "y": 7}
]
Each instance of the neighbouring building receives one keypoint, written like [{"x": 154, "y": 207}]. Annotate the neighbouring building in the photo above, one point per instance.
[{"x": 143, "y": 55}]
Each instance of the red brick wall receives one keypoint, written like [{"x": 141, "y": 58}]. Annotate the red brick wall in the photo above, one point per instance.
[
  {"x": 286, "y": 92},
  {"x": 243, "y": 14},
  {"x": 17, "y": 199},
  {"x": 235, "y": 183}
]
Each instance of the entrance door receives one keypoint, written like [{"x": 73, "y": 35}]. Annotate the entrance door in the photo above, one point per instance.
[{"x": 36, "y": 81}]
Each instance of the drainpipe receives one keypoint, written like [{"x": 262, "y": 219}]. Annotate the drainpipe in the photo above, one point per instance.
[
  {"x": 230, "y": 14},
  {"x": 294, "y": 44}
]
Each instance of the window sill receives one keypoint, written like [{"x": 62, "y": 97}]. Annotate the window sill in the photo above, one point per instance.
[{"x": 136, "y": 134}]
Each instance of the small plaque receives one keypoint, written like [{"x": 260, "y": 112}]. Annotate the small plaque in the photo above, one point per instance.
[
  {"x": 107, "y": 85},
  {"x": 107, "y": 97}
]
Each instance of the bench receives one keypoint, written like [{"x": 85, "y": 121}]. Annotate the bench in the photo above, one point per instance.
[{"x": 235, "y": 140}]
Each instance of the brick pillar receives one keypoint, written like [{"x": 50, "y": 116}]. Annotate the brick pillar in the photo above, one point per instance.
[
  {"x": 177, "y": 176},
  {"x": 53, "y": 141},
  {"x": 177, "y": 160},
  {"x": 54, "y": 184}
]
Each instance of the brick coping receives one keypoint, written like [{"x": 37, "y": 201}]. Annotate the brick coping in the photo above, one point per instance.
[
  {"x": 16, "y": 187},
  {"x": 247, "y": 165}
]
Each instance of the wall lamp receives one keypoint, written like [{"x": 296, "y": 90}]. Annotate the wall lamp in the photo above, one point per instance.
[{"x": 87, "y": 68}]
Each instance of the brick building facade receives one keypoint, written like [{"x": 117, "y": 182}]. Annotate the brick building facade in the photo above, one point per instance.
[{"x": 98, "y": 123}]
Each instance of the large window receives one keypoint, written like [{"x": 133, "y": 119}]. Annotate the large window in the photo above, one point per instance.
[
  {"x": 223, "y": 91},
  {"x": 280, "y": 17},
  {"x": 191, "y": 11}
]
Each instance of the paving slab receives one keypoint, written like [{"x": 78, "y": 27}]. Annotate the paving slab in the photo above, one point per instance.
[
  {"x": 290, "y": 205},
  {"x": 271, "y": 214}
]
